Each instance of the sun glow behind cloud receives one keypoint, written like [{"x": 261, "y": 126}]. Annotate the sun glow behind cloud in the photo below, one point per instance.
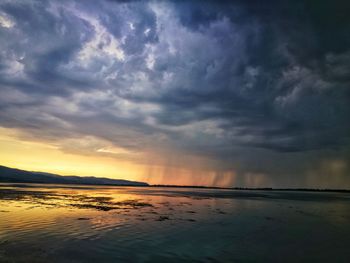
[
  {"x": 170, "y": 92},
  {"x": 40, "y": 156}
]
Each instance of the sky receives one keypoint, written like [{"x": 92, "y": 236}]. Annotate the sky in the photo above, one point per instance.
[{"x": 218, "y": 93}]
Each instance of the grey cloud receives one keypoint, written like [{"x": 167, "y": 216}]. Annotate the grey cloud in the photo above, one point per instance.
[{"x": 233, "y": 81}]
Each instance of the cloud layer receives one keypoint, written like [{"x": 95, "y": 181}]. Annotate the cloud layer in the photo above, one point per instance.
[{"x": 260, "y": 91}]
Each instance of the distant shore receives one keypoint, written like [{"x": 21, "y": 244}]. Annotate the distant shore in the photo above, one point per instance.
[
  {"x": 17, "y": 176},
  {"x": 255, "y": 189},
  {"x": 191, "y": 187}
]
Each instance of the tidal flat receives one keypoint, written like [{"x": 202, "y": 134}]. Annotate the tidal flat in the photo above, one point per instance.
[{"x": 73, "y": 223}]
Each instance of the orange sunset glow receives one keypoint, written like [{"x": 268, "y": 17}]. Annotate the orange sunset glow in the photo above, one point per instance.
[
  {"x": 174, "y": 131},
  {"x": 163, "y": 98},
  {"x": 35, "y": 155}
]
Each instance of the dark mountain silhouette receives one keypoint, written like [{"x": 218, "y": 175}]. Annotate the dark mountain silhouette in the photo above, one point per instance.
[{"x": 12, "y": 175}]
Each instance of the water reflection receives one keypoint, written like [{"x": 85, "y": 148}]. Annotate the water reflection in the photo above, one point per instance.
[{"x": 59, "y": 223}]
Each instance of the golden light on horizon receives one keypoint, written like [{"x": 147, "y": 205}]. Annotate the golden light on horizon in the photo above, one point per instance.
[
  {"x": 40, "y": 156},
  {"x": 34, "y": 155}
]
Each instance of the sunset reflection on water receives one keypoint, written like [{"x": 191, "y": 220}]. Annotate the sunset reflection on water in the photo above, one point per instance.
[{"x": 60, "y": 223}]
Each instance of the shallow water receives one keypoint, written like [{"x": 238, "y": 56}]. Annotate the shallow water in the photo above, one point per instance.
[{"x": 60, "y": 223}]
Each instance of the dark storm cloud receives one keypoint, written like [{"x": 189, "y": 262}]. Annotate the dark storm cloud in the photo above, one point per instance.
[
  {"x": 284, "y": 81},
  {"x": 235, "y": 81},
  {"x": 39, "y": 42}
]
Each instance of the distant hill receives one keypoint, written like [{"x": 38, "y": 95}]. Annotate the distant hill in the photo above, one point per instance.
[{"x": 12, "y": 175}]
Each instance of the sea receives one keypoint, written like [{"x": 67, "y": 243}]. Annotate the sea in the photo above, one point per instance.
[{"x": 79, "y": 223}]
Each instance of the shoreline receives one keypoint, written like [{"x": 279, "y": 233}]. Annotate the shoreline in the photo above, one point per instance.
[{"x": 188, "y": 187}]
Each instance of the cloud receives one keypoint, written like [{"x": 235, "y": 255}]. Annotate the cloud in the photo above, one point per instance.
[{"x": 231, "y": 81}]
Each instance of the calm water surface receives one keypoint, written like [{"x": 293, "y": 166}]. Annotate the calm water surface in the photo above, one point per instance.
[{"x": 57, "y": 223}]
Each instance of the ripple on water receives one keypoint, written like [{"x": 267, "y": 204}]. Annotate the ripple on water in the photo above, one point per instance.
[{"x": 48, "y": 226}]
